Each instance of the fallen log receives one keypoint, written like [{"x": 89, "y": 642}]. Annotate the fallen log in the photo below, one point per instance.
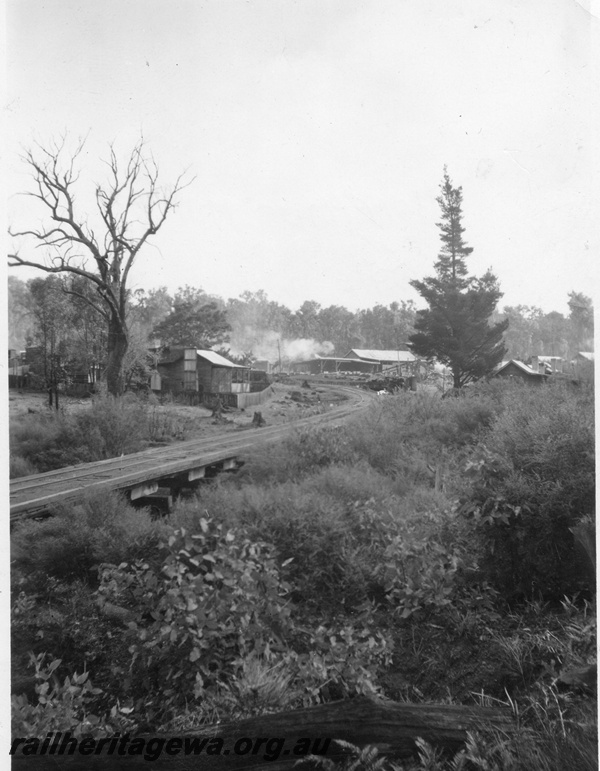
[{"x": 279, "y": 740}]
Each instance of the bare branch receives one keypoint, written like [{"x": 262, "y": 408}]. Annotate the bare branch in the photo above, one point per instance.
[
  {"x": 154, "y": 225},
  {"x": 131, "y": 208},
  {"x": 62, "y": 267}
]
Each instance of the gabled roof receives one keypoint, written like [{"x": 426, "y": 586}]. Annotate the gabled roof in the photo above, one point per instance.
[
  {"x": 175, "y": 354},
  {"x": 218, "y": 360},
  {"x": 589, "y": 355},
  {"x": 371, "y": 354},
  {"x": 520, "y": 365}
]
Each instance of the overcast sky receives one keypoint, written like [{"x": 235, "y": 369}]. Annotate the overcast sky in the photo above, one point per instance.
[{"x": 317, "y": 132}]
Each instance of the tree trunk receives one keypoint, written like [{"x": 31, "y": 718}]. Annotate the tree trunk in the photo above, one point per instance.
[
  {"x": 118, "y": 342},
  {"x": 388, "y": 725}
]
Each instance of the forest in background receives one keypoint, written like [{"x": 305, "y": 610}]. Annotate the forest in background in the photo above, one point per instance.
[{"x": 253, "y": 327}]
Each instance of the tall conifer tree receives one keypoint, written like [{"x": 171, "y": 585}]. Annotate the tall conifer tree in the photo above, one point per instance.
[{"x": 455, "y": 328}]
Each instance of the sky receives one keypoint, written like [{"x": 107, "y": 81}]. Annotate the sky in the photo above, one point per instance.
[{"x": 316, "y": 133}]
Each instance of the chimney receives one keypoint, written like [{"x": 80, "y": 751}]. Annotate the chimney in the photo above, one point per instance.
[{"x": 534, "y": 364}]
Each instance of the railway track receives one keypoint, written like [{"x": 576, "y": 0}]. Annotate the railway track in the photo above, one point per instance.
[{"x": 141, "y": 473}]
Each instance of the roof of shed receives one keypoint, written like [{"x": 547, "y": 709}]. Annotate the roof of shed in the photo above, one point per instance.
[
  {"x": 377, "y": 355},
  {"x": 214, "y": 358},
  {"x": 218, "y": 360},
  {"x": 520, "y": 365},
  {"x": 316, "y": 357}
]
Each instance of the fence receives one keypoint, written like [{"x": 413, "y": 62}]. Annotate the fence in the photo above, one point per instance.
[
  {"x": 239, "y": 400},
  {"x": 252, "y": 399}
]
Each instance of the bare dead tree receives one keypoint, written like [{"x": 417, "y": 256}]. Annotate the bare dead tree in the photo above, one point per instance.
[{"x": 132, "y": 208}]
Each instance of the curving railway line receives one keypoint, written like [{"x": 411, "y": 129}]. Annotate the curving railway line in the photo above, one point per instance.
[{"x": 141, "y": 474}]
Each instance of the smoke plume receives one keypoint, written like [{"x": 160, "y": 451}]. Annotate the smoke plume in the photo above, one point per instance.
[{"x": 269, "y": 346}]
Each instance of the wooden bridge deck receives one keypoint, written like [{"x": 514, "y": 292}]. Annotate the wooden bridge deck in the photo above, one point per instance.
[{"x": 137, "y": 472}]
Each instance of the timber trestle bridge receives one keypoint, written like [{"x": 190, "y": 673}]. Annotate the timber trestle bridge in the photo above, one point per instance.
[{"x": 166, "y": 469}]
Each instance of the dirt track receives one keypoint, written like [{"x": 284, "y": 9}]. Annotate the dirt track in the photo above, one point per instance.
[{"x": 196, "y": 422}]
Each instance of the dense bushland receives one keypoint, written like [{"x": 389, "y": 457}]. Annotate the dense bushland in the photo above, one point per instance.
[
  {"x": 424, "y": 552},
  {"x": 533, "y": 480},
  {"x": 108, "y": 427},
  {"x": 79, "y": 537}
]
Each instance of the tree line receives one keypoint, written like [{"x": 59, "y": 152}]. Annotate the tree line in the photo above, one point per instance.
[
  {"x": 85, "y": 313},
  {"x": 46, "y": 313},
  {"x": 43, "y": 313}
]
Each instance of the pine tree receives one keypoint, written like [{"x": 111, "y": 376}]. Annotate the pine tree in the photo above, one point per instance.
[
  {"x": 455, "y": 328},
  {"x": 451, "y": 265}
]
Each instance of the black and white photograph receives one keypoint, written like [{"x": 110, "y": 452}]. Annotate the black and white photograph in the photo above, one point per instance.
[{"x": 299, "y": 410}]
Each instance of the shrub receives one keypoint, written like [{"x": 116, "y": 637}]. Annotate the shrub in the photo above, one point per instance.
[
  {"x": 311, "y": 448},
  {"x": 338, "y": 659},
  {"x": 419, "y": 438},
  {"x": 63, "y": 706},
  {"x": 73, "y": 542},
  {"x": 534, "y": 478},
  {"x": 216, "y": 597},
  {"x": 65, "y": 620},
  {"x": 163, "y": 424},
  {"x": 50, "y": 441},
  {"x": 304, "y": 450},
  {"x": 336, "y": 530},
  {"x": 118, "y": 425},
  {"x": 21, "y": 467},
  {"x": 110, "y": 427},
  {"x": 308, "y": 528},
  {"x": 258, "y": 686},
  {"x": 220, "y": 599},
  {"x": 59, "y": 707}
]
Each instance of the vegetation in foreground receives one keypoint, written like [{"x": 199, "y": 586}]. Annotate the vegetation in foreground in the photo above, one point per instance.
[{"x": 424, "y": 552}]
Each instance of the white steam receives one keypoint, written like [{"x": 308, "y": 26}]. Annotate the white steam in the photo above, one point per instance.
[{"x": 268, "y": 345}]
